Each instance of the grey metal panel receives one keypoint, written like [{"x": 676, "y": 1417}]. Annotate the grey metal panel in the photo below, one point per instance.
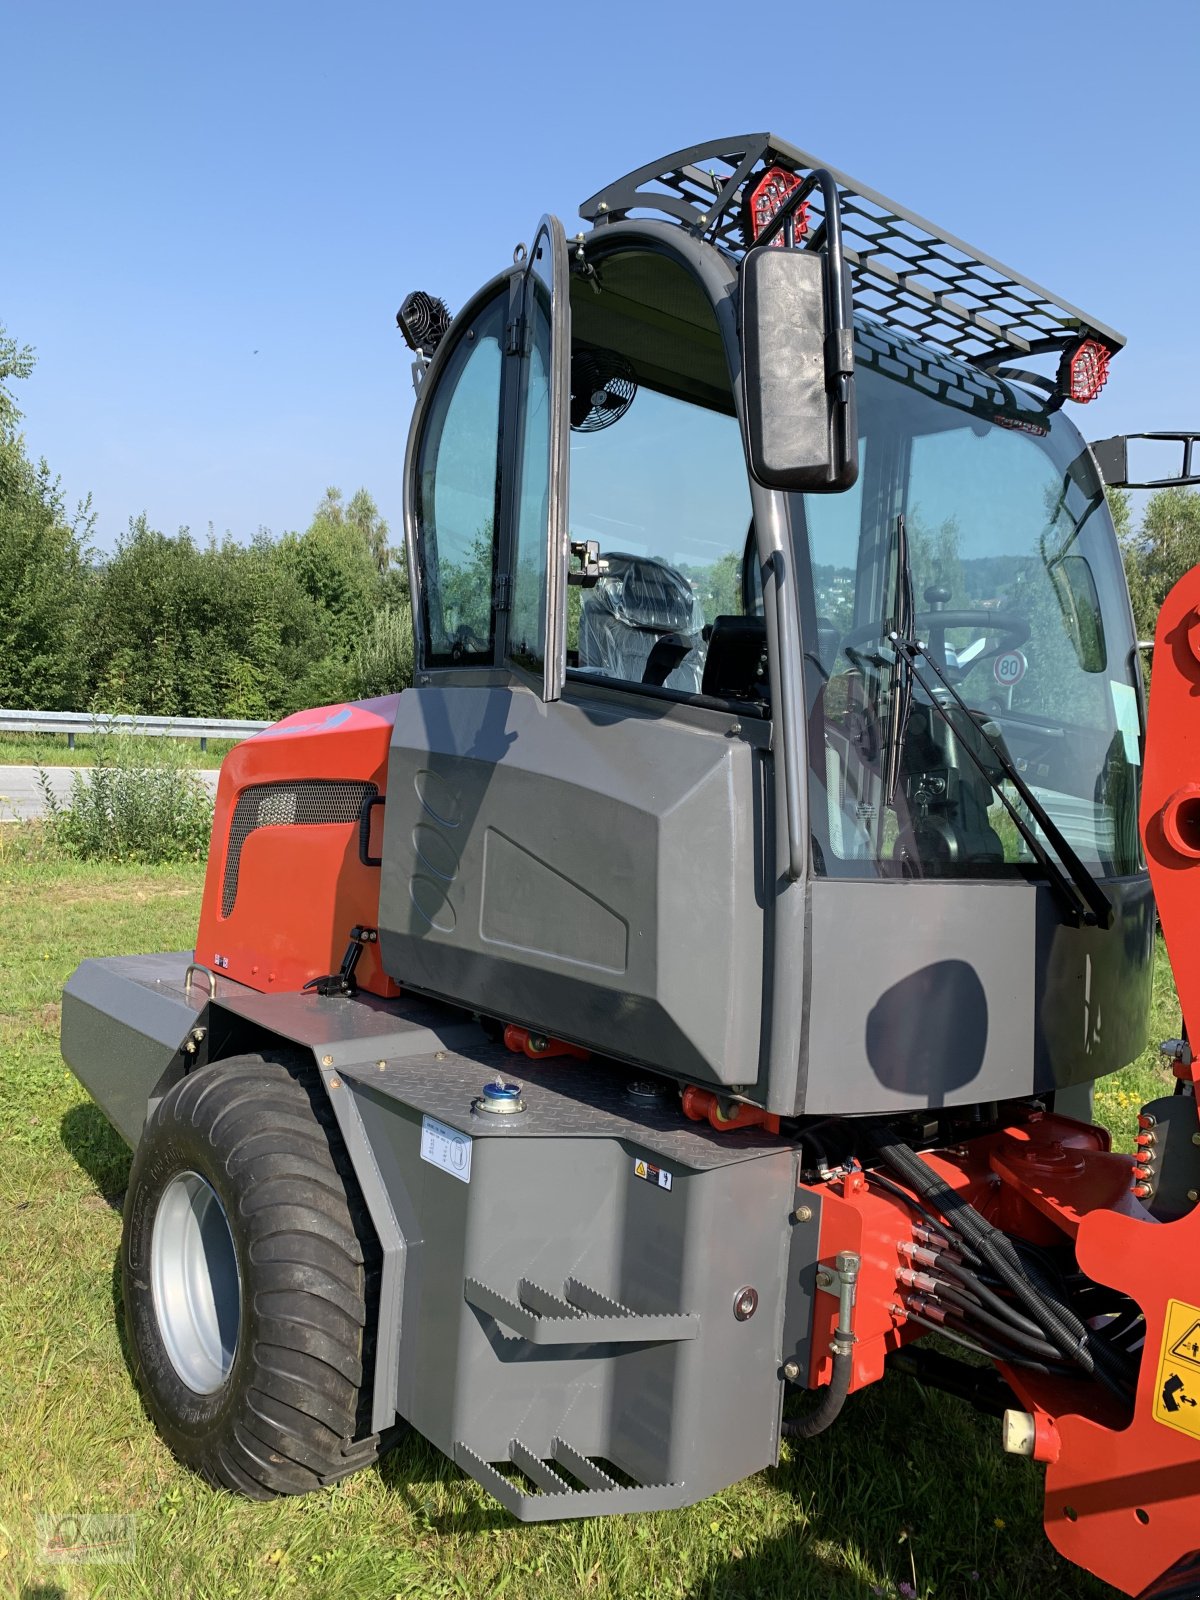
[
  {"x": 123, "y": 1021},
  {"x": 598, "y": 871},
  {"x": 973, "y": 992},
  {"x": 578, "y": 1210}
]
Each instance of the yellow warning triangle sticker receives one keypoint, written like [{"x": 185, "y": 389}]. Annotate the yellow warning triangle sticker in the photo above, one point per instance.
[
  {"x": 640, "y": 1169},
  {"x": 1188, "y": 1347}
]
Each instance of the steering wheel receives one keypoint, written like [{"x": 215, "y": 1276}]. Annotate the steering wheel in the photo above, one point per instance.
[{"x": 932, "y": 626}]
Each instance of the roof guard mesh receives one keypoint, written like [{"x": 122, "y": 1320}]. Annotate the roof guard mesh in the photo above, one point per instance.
[{"x": 906, "y": 271}]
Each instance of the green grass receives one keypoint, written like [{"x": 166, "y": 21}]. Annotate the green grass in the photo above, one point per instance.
[
  {"x": 50, "y": 750},
  {"x": 908, "y": 1487}
]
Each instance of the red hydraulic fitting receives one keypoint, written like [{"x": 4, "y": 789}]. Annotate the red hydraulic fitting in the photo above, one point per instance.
[
  {"x": 701, "y": 1105},
  {"x": 536, "y": 1045}
]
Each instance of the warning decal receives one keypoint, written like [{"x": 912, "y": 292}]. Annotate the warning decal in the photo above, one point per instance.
[
  {"x": 1188, "y": 1348},
  {"x": 652, "y": 1174},
  {"x": 1177, "y": 1390}
]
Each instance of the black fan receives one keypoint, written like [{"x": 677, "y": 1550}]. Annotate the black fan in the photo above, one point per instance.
[
  {"x": 423, "y": 320},
  {"x": 603, "y": 385}
]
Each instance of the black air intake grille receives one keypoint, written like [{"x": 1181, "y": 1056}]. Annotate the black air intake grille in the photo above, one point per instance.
[{"x": 307, "y": 803}]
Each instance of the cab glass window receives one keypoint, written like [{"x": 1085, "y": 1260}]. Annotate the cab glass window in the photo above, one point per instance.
[
  {"x": 978, "y": 517},
  {"x": 458, "y": 496},
  {"x": 658, "y": 474},
  {"x": 527, "y": 625}
]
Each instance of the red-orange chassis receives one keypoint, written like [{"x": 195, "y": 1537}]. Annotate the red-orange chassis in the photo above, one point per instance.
[{"x": 1122, "y": 1495}]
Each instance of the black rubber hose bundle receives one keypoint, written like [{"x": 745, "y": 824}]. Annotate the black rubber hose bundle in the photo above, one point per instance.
[{"x": 1061, "y": 1327}]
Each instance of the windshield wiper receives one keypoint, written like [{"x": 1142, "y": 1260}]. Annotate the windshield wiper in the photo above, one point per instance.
[
  {"x": 899, "y": 693},
  {"x": 1082, "y": 893}
]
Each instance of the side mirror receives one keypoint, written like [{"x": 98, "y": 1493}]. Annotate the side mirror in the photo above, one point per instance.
[{"x": 798, "y": 371}]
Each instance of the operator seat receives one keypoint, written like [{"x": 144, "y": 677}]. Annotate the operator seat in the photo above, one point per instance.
[{"x": 638, "y": 601}]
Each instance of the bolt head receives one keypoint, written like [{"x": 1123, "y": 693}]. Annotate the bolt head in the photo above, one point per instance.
[
  {"x": 1196, "y": 1138},
  {"x": 802, "y": 1214},
  {"x": 326, "y": 1061},
  {"x": 745, "y": 1303},
  {"x": 1194, "y": 1195},
  {"x": 791, "y": 1370}
]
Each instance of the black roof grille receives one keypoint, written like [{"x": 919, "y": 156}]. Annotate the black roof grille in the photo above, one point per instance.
[{"x": 906, "y": 271}]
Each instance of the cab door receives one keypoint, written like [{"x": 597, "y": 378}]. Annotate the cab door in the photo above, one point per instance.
[
  {"x": 535, "y": 553},
  {"x": 486, "y": 528}
]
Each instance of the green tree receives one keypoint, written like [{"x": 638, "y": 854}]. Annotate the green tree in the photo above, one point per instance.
[
  {"x": 362, "y": 515},
  {"x": 1159, "y": 551},
  {"x": 43, "y": 565}
]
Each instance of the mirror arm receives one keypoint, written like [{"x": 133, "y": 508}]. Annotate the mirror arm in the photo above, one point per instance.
[{"x": 1112, "y": 457}]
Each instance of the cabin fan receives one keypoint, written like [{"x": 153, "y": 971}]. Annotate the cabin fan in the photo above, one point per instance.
[{"x": 603, "y": 385}]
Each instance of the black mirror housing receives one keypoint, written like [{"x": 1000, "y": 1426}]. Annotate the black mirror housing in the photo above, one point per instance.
[{"x": 797, "y": 374}]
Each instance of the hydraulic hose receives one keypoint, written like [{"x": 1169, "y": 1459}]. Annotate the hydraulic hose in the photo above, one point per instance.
[
  {"x": 828, "y": 1407},
  {"x": 972, "y": 1315},
  {"x": 1057, "y": 1321},
  {"x": 833, "y": 1398},
  {"x": 987, "y": 1297}
]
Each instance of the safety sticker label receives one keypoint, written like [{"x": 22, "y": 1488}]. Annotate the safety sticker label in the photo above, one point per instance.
[
  {"x": 1177, "y": 1390},
  {"x": 652, "y": 1174},
  {"x": 446, "y": 1148}
]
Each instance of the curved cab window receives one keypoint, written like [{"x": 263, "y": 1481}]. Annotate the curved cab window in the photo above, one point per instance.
[
  {"x": 1015, "y": 586},
  {"x": 457, "y": 497}
]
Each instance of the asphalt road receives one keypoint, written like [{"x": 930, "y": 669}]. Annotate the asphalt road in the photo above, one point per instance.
[{"x": 21, "y": 796}]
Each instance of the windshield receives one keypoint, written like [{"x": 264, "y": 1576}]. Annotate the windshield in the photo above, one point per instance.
[{"x": 977, "y": 525}]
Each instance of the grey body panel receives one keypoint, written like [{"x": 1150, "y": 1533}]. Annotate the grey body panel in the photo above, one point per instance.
[
  {"x": 553, "y": 1197},
  {"x": 593, "y": 868},
  {"x": 124, "y": 1023},
  {"x": 944, "y": 993}
]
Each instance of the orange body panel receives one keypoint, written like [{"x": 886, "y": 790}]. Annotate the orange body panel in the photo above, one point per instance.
[{"x": 284, "y": 887}]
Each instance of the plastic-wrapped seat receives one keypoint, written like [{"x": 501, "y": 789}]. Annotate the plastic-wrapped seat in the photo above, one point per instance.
[{"x": 638, "y": 601}]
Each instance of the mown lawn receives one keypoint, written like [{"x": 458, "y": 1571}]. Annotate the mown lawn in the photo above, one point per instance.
[{"x": 909, "y": 1489}]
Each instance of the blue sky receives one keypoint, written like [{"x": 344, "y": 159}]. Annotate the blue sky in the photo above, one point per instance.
[{"x": 212, "y": 211}]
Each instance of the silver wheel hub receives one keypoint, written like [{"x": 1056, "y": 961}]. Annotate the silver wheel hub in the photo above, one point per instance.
[{"x": 195, "y": 1282}]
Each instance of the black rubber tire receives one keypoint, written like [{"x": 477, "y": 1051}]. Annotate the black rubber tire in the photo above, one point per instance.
[{"x": 287, "y": 1418}]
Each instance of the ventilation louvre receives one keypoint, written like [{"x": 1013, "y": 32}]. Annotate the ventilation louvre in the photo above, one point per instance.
[{"x": 303, "y": 803}]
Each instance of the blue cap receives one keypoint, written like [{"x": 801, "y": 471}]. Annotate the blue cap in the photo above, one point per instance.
[{"x": 497, "y": 1090}]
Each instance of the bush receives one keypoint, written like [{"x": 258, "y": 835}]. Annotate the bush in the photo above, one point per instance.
[{"x": 137, "y": 803}]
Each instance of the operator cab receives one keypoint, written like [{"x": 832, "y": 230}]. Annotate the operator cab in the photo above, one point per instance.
[{"x": 691, "y": 715}]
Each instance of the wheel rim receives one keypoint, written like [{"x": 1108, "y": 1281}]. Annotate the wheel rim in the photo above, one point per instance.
[{"x": 196, "y": 1285}]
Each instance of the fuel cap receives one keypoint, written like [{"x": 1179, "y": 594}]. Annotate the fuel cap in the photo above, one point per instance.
[{"x": 499, "y": 1098}]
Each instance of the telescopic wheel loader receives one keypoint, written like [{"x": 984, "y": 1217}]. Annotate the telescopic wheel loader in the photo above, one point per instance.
[{"x": 688, "y": 990}]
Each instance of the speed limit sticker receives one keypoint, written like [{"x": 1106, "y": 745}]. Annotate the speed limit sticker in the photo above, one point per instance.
[{"x": 1009, "y": 668}]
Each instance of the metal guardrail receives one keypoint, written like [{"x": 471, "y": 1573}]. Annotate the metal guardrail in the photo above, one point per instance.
[{"x": 87, "y": 722}]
